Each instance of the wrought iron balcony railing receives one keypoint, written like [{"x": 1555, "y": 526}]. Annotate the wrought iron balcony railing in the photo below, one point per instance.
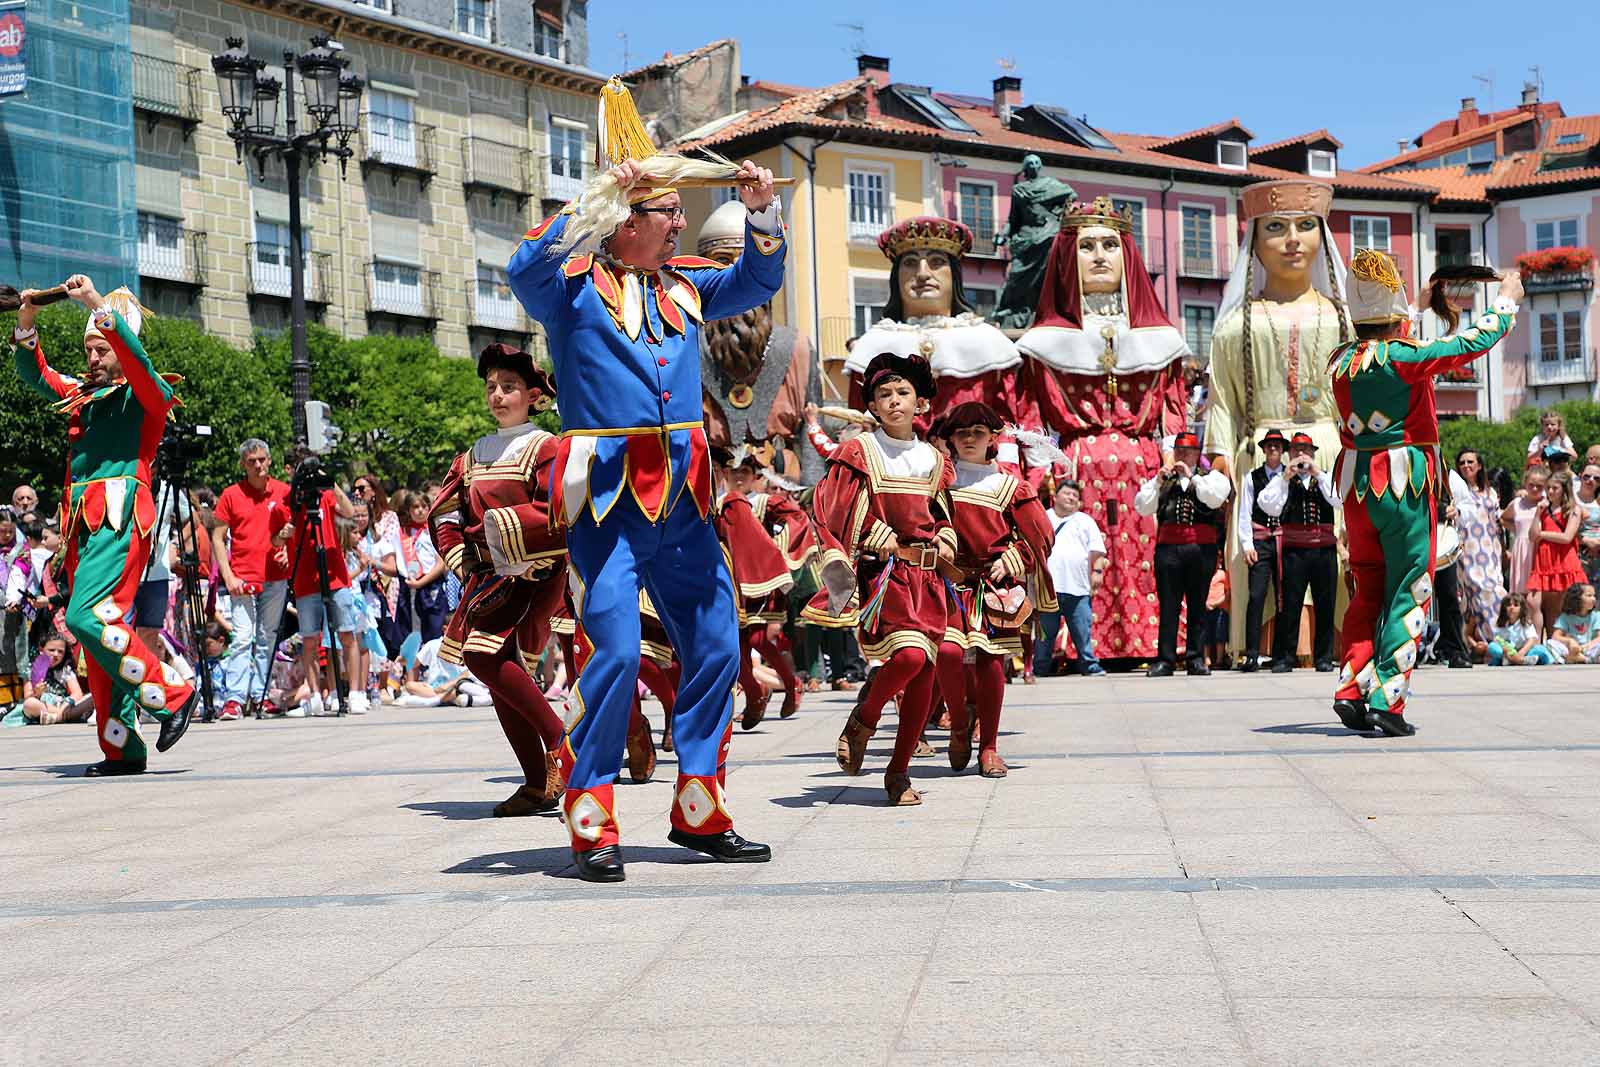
[
  {"x": 269, "y": 272},
  {"x": 498, "y": 168},
  {"x": 404, "y": 290},
  {"x": 494, "y": 307},
  {"x": 170, "y": 252},
  {"x": 166, "y": 91},
  {"x": 399, "y": 146}
]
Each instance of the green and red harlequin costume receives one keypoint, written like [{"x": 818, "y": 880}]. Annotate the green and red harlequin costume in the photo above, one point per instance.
[
  {"x": 107, "y": 514},
  {"x": 1387, "y": 474}
]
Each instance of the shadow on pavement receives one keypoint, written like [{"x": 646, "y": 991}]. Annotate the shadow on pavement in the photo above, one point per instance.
[
  {"x": 1325, "y": 729},
  {"x": 75, "y": 770},
  {"x": 821, "y": 795},
  {"x": 557, "y": 862},
  {"x": 460, "y": 810}
]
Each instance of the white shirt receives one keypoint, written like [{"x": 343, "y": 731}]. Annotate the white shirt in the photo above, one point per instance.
[
  {"x": 983, "y": 476},
  {"x": 905, "y": 459},
  {"x": 1247, "y": 503},
  {"x": 1275, "y": 494},
  {"x": 30, "y": 584},
  {"x": 1211, "y": 489},
  {"x": 1077, "y": 536}
]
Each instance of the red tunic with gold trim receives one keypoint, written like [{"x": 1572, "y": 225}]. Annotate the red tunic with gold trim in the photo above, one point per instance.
[
  {"x": 877, "y": 487},
  {"x": 786, "y": 523},
  {"x": 760, "y": 570},
  {"x": 491, "y": 523},
  {"x": 997, "y": 516}
]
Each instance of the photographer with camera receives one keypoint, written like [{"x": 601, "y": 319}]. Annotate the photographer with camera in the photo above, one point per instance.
[
  {"x": 323, "y": 597},
  {"x": 1303, "y": 500},
  {"x": 117, "y": 412},
  {"x": 249, "y": 543}
]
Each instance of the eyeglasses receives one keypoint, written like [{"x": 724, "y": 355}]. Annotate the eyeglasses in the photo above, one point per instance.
[{"x": 675, "y": 212}]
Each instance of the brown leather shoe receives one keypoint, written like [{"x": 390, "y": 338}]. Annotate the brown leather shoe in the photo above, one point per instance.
[
  {"x": 901, "y": 795},
  {"x": 755, "y": 709},
  {"x": 666, "y": 736},
  {"x": 641, "y": 752},
  {"x": 842, "y": 685},
  {"x": 791, "y": 703},
  {"x": 960, "y": 748},
  {"x": 553, "y": 785},
  {"x": 852, "y": 747},
  {"x": 525, "y": 801},
  {"x": 990, "y": 765}
]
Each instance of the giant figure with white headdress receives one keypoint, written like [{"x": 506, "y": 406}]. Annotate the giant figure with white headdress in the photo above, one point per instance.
[{"x": 632, "y": 477}]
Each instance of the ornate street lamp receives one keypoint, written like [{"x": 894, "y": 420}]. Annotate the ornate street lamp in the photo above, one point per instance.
[{"x": 250, "y": 102}]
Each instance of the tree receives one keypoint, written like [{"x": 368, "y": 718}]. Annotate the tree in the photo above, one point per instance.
[{"x": 1505, "y": 444}]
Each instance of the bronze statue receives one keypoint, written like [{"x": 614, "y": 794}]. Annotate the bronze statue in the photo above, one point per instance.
[{"x": 1035, "y": 218}]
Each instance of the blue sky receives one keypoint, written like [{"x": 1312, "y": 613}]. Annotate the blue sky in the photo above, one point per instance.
[{"x": 1373, "y": 73}]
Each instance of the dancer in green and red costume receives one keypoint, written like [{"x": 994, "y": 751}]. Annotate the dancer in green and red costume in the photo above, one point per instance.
[
  {"x": 1388, "y": 475},
  {"x": 117, "y": 413}
]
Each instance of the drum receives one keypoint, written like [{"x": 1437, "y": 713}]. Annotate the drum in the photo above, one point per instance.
[{"x": 1446, "y": 545}]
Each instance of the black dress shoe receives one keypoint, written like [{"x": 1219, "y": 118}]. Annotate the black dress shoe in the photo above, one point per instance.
[
  {"x": 1353, "y": 713},
  {"x": 1389, "y": 724},
  {"x": 111, "y": 768},
  {"x": 1459, "y": 662},
  {"x": 1197, "y": 668},
  {"x": 601, "y": 864},
  {"x": 726, "y": 847},
  {"x": 1325, "y": 666},
  {"x": 1249, "y": 664},
  {"x": 177, "y": 723},
  {"x": 1159, "y": 669},
  {"x": 1282, "y": 666}
]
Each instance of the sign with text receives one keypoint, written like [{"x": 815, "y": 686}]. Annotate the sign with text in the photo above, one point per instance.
[{"x": 13, "y": 41}]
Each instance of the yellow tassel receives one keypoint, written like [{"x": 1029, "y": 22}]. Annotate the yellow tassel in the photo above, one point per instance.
[
  {"x": 622, "y": 132},
  {"x": 1375, "y": 266}
]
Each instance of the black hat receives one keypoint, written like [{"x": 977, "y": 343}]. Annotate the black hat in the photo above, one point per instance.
[
  {"x": 541, "y": 385},
  {"x": 912, "y": 368},
  {"x": 1275, "y": 437},
  {"x": 971, "y": 413}
]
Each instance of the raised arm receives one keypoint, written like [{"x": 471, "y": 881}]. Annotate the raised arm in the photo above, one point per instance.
[
  {"x": 535, "y": 275},
  {"x": 1419, "y": 362}
]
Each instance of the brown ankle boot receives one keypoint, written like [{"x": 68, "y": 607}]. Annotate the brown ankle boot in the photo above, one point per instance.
[
  {"x": 641, "y": 752},
  {"x": 553, "y": 785},
  {"x": 755, "y": 709},
  {"x": 525, "y": 801},
  {"x": 901, "y": 795},
  {"x": 852, "y": 747},
  {"x": 960, "y": 748},
  {"x": 791, "y": 703}
]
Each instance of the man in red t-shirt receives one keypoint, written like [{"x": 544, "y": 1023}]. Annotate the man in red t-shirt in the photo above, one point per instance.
[
  {"x": 249, "y": 544},
  {"x": 308, "y": 604}
]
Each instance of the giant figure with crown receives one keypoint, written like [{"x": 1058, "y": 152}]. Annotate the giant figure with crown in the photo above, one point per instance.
[{"x": 632, "y": 478}]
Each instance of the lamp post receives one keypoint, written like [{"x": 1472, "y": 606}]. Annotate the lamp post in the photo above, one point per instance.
[{"x": 250, "y": 104}]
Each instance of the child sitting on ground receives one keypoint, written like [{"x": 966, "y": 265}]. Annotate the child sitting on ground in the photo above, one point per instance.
[
  {"x": 52, "y": 693},
  {"x": 1516, "y": 640},
  {"x": 1577, "y": 629}
]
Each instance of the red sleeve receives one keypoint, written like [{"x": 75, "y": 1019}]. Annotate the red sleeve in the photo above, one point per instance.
[
  {"x": 224, "y": 509},
  {"x": 444, "y": 518},
  {"x": 799, "y": 541},
  {"x": 758, "y": 567},
  {"x": 839, "y": 496}
]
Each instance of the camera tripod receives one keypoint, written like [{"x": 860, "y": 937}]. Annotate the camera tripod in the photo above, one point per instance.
[{"x": 172, "y": 488}]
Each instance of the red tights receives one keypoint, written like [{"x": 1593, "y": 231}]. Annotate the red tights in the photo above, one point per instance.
[
  {"x": 774, "y": 657},
  {"x": 987, "y": 681},
  {"x": 530, "y": 724},
  {"x": 905, "y": 671}
]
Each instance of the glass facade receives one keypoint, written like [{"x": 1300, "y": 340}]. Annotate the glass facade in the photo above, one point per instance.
[{"x": 66, "y": 150}]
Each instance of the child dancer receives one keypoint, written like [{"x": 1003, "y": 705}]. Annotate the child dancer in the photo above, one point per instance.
[
  {"x": 883, "y": 497},
  {"x": 1003, "y": 536},
  {"x": 490, "y": 523}
]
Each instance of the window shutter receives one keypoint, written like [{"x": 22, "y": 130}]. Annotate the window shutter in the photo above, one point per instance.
[{"x": 395, "y": 238}]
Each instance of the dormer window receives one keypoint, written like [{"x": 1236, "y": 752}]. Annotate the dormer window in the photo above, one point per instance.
[
  {"x": 1231, "y": 154},
  {"x": 1321, "y": 163}
]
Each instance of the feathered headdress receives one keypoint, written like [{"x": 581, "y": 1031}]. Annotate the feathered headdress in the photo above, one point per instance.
[{"x": 1037, "y": 448}]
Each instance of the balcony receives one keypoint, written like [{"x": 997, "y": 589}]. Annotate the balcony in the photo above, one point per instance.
[
  {"x": 563, "y": 187},
  {"x": 1155, "y": 259},
  {"x": 1469, "y": 375},
  {"x": 398, "y": 146},
  {"x": 169, "y": 252},
  {"x": 868, "y": 229},
  {"x": 164, "y": 91},
  {"x": 269, "y": 272},
  {"x": 402, "y": 290},
  {"x": 1575, "y": 369},
  {"x": 1192, "y": 266},
  {"x": 495, "y": 308},
  {"x": 498, "y": 169},
  {"x": 1558, "y": 281}
]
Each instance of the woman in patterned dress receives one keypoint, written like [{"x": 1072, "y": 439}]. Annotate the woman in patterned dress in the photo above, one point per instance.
[{"x": 1480, "y": 565}]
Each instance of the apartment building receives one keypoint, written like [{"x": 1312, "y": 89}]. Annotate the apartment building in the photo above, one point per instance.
[{"x": 478, "y": 115}]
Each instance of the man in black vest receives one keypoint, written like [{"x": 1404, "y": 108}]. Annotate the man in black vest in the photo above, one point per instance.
[
  {"x": 1302, "y": 499},
  {"x": 1260, "y": 542},
  {"x": 1186, "y": 504}
]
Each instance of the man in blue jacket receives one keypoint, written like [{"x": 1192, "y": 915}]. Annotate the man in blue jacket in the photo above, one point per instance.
[{"x": 633, "y": 483}]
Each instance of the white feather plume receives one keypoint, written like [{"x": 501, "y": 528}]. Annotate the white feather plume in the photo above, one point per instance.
[
  {"x": 776, "y": 479},
  {"x": 1037, "y": 448}
]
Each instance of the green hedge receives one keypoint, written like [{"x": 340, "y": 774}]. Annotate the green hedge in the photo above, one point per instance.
[
  {"x": 1505, "y": 444},
  {"x": 405, "y": 409}
]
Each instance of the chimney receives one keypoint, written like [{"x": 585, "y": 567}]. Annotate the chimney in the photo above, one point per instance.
[
  {"x": 1530, "y": 94},
  {"x": 1007, "y": 97},
  {"x": 1403, "y": 146},
  {"x": 874, "y": 67},
  {"x": 1468, "y": 119}
]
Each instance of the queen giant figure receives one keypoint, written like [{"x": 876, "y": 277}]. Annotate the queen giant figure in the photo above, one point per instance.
[
  {"x": 1106, "y": 368},
  {"x": 1282, "y": 314}
]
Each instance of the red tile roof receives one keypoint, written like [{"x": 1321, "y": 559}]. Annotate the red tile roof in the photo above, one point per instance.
[
  {"x": 1520, "y": 170},
  {"x": 777, "y": 88},
  {"x": 1485, "y": 132},
  {"x": 1204, "y": 131},
  {"x": 1304, "y": 138}
]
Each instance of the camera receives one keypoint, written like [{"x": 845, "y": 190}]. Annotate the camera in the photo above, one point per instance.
[
  {"x": 182, "y": 445},
  {"x": 311, "y": 478}
]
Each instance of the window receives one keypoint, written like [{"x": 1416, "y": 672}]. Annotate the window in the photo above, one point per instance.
[
  {"x": 977, "y": 212},
  {"x": 1231, "y": 154},
  {"x": 566, "y": 159},
  {"x": 472, "y": 18},
  {"x": 1135, "y": 209},
  {"x": 1077, "y": 129},
  {"x": 1562, "y": 233},
  {"x": 1572, "y": 334},
  {"x": 496, "y": 307},
  {"x": 1369, "y": 231},
  {"x": 923, "y": 101},
  {"x": 270, "y": 265},
  {"x": 160, "y": 246},
  {"x": 1560, "y": 336},
  {"x": 376, "y": 5},
  {"x": 1321, "y": 163},
  {"x": 983, "y": 300},
  {"x": 723, "y": 194},
  {"x": 1570, "y": 138},
  {"x": 396, "y": 287},
  {"x": 391, "y": 127},
  {"x": 870, "y": 211},
  {"x": 1454, "y": 247},
  {"x": 1199, "y": 247},
  {"x": 547, "y": 40},
  {"x": 1197, "y": 322},
  {"x": 1478, "y": 155},
  {"x": 867, "y": 297}
]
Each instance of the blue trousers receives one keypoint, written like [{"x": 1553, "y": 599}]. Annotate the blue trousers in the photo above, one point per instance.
[
  {"x": 1076, "y": 611},
  {"x": 678, "y": 561}
]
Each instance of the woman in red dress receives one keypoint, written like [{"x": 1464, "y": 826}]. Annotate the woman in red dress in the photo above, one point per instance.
[
  {"x": 1003, "y": 536},
  {"x": 1556, "y": 564},
  {"x": 1106, "y": 368},
  {"x": 883, "y": 499}
]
